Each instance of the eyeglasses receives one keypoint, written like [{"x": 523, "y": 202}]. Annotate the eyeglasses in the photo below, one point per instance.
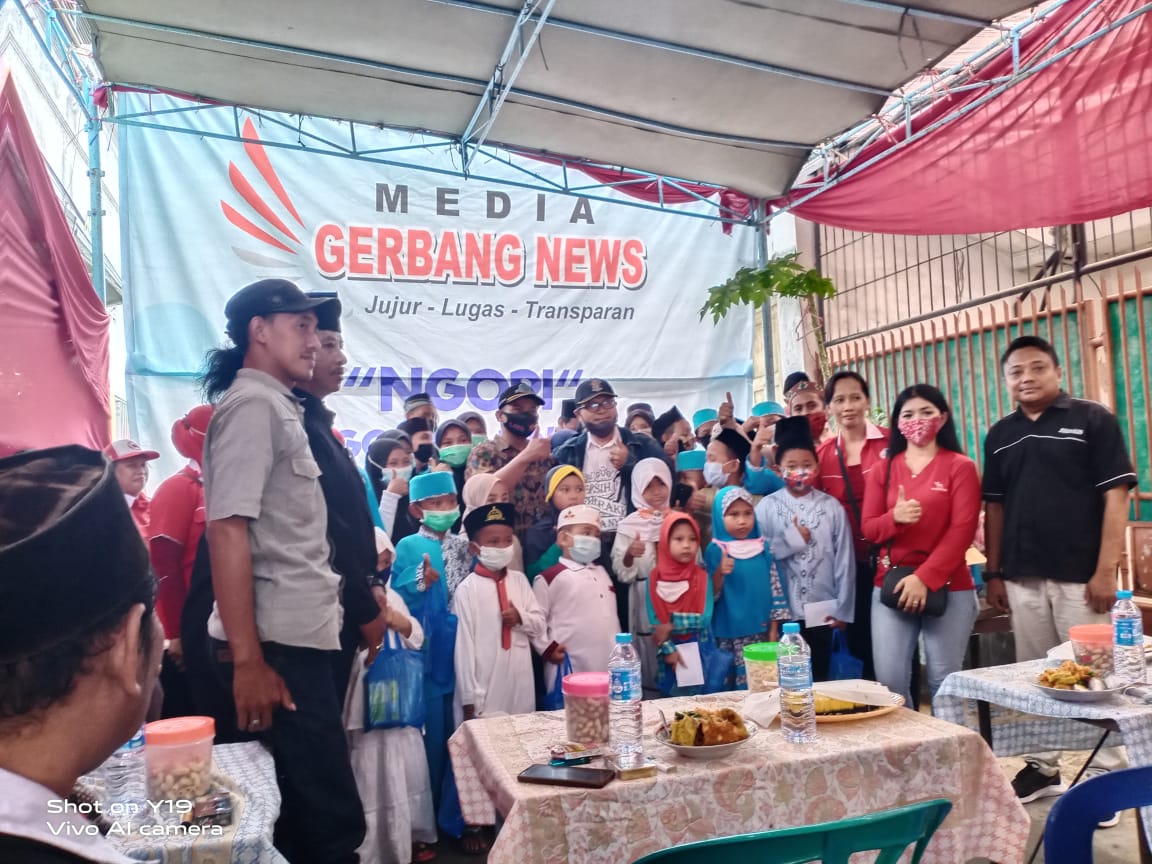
[{"x": 600, "y": 405}]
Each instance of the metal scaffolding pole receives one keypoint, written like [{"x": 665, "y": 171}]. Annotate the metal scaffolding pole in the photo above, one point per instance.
[
  {"x": 760, "y": 215},
  {"x": 96, "y": 196}
]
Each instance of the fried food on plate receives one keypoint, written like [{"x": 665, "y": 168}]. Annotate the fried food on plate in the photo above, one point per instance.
[
  {"x": 705, "y": 727},
  {"x": 1069, "y": 675}
]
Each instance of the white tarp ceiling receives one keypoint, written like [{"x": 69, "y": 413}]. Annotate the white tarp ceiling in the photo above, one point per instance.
[{"x": 729, "y": 92}]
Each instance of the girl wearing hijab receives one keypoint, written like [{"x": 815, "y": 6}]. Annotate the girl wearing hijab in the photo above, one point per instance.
[
  {"x": 388, "y": 462},
  {"x": 484, "y": 489},
  {"x": 634, "y": 553},
  {"x": 750, "y": 599},
  {"x": 454, "y": 441},
  {"x": 679, "y": 598}
]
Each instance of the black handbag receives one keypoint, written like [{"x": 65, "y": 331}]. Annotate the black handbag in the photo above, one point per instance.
[
  {"x": 873, "y": 548},
  {"x": 935, "y": 604}
]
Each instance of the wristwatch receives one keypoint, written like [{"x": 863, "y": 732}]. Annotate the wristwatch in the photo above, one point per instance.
[{"x": 993, "y": 574}]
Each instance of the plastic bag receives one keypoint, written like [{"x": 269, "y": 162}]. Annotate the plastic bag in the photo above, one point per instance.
[
  {"x": 842, "y": 664},
  {"x": 554, "y": 698},
  {"x": 439, "y": 641},
  {"x": 394, "y": 687},
  {"x": 717, "y": 664}
]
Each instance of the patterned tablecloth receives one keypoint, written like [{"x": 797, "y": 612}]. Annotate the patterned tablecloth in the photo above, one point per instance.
[
  {"x": 1027, "y": 720},
  {"x": 853, "y": 768},
  {"x": 248, "y": 768}
]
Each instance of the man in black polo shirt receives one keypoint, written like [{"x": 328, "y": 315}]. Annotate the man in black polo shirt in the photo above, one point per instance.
[{"x": 1056, "y": 481}]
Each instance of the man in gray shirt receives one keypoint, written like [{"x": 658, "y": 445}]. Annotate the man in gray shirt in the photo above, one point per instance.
[{"x": 276, "y": 620}]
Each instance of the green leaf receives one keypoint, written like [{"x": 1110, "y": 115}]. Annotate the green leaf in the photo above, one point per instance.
[{"x": 782, "y": 276}]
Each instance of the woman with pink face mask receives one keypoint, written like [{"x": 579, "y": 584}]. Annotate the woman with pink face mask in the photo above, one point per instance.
[{"x": 922, "y": 507}]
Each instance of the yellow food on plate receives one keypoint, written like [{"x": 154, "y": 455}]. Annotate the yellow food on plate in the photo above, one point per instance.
[
  {"x": 1067, "y": 676},
  {"x": 828, "y": 705},
  {"x": 705, "y": 727}
]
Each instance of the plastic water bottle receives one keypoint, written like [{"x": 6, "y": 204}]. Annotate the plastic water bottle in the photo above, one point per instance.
[
  {"x": 797, "y": 701},
  {"x": 125, "y": 783},
  {"x": 625, "y": 717},
  {"x": 1128, "y": 640}
]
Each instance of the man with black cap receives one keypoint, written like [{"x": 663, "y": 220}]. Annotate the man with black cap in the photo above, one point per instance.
[
  {"x": 518, "y": 454},
  {"x": 275, "y": 624},
  {"x": 80, "y": 645},
  {"x": 350, "y": 528},
  {"x": 605, "y": 453},
  {"x": 420, "y": 405}
]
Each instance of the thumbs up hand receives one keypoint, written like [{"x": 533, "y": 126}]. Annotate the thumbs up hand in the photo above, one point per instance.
[
  {"x": 618, "y": 455},
  {"x": 431, "y": 574},
  {"x": 804, "y": 532},
  {"x": 727, "y": 564},
  {"x": 907, "y": 510}
]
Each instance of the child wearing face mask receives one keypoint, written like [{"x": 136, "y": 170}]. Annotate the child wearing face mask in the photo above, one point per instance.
[
  {"x": 418, "y": 577},
  {"x": 388, "y": 462},
  {"x": 563, "y": 488},
  {"x": 809, "y": 536},
  {"x": 724, "y": 465},
  {"x": 577, "y": 597},
  {"x": 679, "y": 599},
  {"x": 500, "y": 622},
  {"x": 634, "y": 553},
  {"x": 750, "y": 600}
]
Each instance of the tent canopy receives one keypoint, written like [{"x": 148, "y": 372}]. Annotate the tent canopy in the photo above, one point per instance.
[{"x": 732, "y": 93}]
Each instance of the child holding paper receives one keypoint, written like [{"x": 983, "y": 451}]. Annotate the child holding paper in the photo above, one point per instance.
[
  {"x": 809, "y": 536},
  {"x": 679, "y": 604}
]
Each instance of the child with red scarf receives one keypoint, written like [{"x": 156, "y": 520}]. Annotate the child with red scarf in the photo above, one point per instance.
[{"x": 679, "y": 599}]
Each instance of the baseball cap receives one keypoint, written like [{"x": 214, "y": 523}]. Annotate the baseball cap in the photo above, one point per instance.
[
  {"x": 592, "y": 389},
  {"x": 126, "y": 448},
  {"x": 519, "y": 391},
  {"x": 269, "y": 297}
]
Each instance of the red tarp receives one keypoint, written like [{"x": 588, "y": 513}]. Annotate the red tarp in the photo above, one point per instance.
[
  {"x": 1071, "y": 143},
  {"x": 54, "y": 348}
]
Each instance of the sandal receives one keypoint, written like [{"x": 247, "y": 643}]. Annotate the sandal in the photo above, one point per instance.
[
  {"x": 473, "y": 841},
  {"x": 423, "y": 852}
]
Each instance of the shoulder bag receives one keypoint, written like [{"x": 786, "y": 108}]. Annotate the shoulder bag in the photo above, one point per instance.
[{"x": 935, "y": 604}]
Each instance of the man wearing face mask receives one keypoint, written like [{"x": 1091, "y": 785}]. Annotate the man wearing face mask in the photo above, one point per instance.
[
  {"x": 806, "y": 399},
  {"x": 350, "y": 528},
  {"x": 518, "y": 455},
  {"x": 605, "y": 453}
]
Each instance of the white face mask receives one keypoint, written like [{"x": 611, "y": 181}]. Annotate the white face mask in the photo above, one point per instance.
[
  {"x": 398, "y": 473},
  {"x": 714, "y": 474},
  {"x": 584, "y": 549},
  {"x": 495, "y": 557},
  {"x": 742, "y": 550}
]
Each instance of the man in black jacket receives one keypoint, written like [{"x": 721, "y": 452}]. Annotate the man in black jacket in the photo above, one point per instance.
[
  {"x": 606, "y": 453},
  {"x": 351, "y": 533}
]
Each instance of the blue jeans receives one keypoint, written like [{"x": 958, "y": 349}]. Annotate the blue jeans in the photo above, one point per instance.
[{"x": 894, "y": 636}]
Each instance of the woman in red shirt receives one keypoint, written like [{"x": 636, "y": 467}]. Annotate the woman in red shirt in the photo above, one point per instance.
[
  {"x": 922, "y": 506},
  {"x": 845, "y": 463}
]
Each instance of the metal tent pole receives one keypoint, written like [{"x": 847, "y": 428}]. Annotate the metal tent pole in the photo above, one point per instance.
[
  {"x": 96, "y": 196},
  {"x": 760, "y": 212}
]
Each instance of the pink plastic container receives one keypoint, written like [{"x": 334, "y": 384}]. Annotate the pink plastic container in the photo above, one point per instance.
[
  {"x": 179, "y": 756},
  {"x": 586, "y": 707},
  {"x": 1092, "y": 646}
]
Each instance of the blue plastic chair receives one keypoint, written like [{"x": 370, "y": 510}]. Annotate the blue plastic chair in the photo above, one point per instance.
[
  {"x": 890, "y": 832},
  {"x": 1073, "y": 818}
]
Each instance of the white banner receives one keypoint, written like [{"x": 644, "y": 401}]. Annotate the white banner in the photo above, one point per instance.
[{"x": 448, "y": 286}]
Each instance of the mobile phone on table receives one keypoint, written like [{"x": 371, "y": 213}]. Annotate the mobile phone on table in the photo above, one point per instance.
[{"x": 553, "y": 775}]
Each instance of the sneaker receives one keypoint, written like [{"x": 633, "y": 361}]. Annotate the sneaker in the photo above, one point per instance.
[
  {"x": 1032, "y": 784},
  {"x": 1111, "y": 822}
]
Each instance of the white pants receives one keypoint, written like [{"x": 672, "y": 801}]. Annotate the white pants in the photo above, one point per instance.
[{"x": 1042, "y": 612}]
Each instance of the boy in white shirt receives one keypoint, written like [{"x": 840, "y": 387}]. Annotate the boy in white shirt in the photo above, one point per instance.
[
  {"x": 577, "y": 597},
  {"x": 499, "y": 621}
]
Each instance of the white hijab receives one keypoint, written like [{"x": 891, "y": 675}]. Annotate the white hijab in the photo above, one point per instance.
[{"x": 645, "y": 522}]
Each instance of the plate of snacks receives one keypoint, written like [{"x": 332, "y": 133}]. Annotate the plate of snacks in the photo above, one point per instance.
[
  {"x": 1074, "y": 682},
  {"x": 829, "y": 710},
  {"x": 706, "y": 733}
]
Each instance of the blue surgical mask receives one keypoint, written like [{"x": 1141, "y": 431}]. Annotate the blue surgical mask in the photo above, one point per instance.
[{"x": 584, "y": 549}]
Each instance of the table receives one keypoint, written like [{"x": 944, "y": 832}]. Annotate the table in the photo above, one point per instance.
[
  {"x": 1018, "y": 718},
  {"x": 250, "y": 770},
  {"x": 852, "y": 769}
]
